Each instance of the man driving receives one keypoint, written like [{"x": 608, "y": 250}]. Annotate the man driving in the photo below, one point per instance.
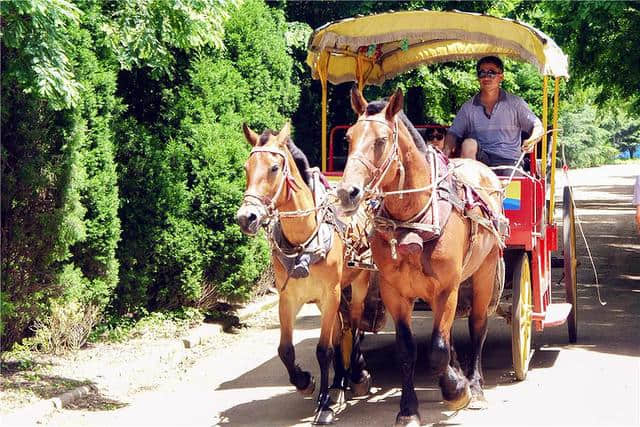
[{"x": 491, "y": 123}]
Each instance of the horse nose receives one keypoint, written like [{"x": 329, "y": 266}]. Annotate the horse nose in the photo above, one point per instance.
[
  {"x": 350, "y": 196},
  {"x": 354, "y": 192},
  {"x": 248, "y": 221}
]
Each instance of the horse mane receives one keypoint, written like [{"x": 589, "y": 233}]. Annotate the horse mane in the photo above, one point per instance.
[
  {"x": 302, "y": 163},
  {"x": 374, "y": 107}
]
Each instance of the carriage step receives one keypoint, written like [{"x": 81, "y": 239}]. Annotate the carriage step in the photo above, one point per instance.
[{"x": 555, "y": 315}]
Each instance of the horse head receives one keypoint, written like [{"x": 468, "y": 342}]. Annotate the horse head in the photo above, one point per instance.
[
  {"x": 269, "y": 177},
  {"x": 373, "y": 160}
]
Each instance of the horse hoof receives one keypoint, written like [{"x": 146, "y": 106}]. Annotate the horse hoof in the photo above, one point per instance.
[
  {"x": 323, "y": 417},
  {"x": 362, "y": 388},
  {"x": 309, "y": 389},
  {"x": 337, "y": 396},
  {"x": 478, "y": 401},
  {"x": 407, "y": 421},
  {"x": 461, "y": 402}
]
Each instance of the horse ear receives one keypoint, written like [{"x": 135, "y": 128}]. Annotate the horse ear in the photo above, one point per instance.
[
  {"x": 358, "y": 103},
  {"x": 285, "y": 133},
  {"x": 251, "y": 136},
  {"x": 396, "y": 102}
]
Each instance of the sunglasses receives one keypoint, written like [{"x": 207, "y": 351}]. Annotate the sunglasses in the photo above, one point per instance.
[
  {"x": 435, "y": 136},
  {"x": 490, "y": 73}
]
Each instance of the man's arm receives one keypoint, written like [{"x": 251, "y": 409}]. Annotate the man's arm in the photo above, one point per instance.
[
  {"x": 536, "y": 134},
  {"x": 449, "y": 144}
]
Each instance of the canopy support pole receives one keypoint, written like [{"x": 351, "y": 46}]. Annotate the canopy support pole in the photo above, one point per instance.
[
  {"x": 554, "y": 146},
  {"x": 360, "y": 70},
  {"x": 322, "y": 67},
  {"x": 545, "y": 116}
]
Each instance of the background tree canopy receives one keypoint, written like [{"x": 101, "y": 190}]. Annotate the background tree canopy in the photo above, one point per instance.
[{"x": 122, "y": 150}]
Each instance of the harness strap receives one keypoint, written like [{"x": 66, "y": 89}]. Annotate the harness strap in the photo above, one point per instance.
[{"x": 472, "y": 243}]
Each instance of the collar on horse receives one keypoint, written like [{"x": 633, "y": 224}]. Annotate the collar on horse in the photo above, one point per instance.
[
  {"x": 427, "y": 224},
  {"x": 447, "y": 191}
]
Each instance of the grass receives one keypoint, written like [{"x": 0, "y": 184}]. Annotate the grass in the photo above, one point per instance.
[{"x": 153, "y": 325}]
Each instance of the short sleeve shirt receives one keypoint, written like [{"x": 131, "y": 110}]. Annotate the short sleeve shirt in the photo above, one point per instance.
[
  {"x": 636, "y": 192},
  {"x": 499, "y": 133}
]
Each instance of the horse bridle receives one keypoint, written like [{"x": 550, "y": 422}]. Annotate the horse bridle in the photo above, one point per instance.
[
  {"x": 269, "y": 203},
  {"x": 379, "y": 173}
]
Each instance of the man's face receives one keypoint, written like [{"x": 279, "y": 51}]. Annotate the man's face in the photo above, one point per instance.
[{"x": 489, "y": 76}]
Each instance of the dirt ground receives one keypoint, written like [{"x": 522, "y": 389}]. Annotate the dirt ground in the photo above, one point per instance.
[{"x": 116, "y": 372}]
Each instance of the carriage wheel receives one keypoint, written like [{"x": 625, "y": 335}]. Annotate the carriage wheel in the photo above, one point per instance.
[
  {"x": 521, "y": 317},
  {"x": 570, "y": 262}
]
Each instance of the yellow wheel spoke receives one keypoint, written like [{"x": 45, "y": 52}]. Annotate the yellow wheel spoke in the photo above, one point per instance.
[{"x": 522, "y": 319}]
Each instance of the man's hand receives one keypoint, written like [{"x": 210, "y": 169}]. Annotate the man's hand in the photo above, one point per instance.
[{"x": 529, "y": 144}]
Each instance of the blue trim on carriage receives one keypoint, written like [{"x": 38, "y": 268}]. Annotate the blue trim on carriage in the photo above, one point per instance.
[{"x": 511, "y": 204}]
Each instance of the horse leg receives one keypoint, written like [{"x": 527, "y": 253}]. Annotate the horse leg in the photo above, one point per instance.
[
  {"x": 483, "y": 282},
  {"x": 325, "y": 353},
  {"x": 360, "y": 377},
  {"x": 340, "y": 378},
  {"x": 302, "y": 380},
  {"x": 453, "y": 384},
  {"x": 401, "y": 309}
]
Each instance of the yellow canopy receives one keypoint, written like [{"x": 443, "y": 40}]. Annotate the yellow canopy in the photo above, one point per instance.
[{"x": 379, "y": 47}]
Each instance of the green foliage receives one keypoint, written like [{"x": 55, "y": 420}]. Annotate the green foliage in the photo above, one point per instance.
[
  {"x": 42, "y": 216},
  {"x": 260, "y": 56},
  {"x": 95, "y": 257},
  {"x": 36, "y": 37},
  {"x": 148, "y": 34},
  {"x": 584, "y": 141},
  {"x": 182, "y": 175},
  {"x": 624, "y": 129},
  {"x": 601, "y": 39},
  {"x": 59, "y": 198},
  {"x": 160, "y": 324}
]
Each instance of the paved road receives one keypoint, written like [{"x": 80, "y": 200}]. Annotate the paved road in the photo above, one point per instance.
[{"x": 595, "y": 382}]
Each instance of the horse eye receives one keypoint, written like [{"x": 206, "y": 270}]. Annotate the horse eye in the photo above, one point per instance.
[
  {"x": 275, "y": 168},
  {"x": 381, "y": 140}
]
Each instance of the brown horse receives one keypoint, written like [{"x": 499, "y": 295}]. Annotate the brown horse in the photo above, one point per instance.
[
  {"x": 277, "y": 193},
  {"x": 388, "y": 159}
]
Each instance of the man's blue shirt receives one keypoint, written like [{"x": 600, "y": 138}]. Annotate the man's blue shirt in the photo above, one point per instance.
[{"x": 499, "y": 133}]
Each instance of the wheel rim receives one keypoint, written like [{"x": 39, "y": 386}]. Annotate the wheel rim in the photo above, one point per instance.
[
  {"x": 570, "y": 262},
  {"x": 525, "y": 311},
  {"x": 521, "y": 321}
]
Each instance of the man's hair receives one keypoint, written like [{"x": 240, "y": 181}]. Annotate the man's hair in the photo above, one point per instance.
[{"x": 490, "y": 60}]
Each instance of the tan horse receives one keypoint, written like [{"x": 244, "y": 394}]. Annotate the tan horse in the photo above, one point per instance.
[
  {"x": 276, "y": 190},
  {"x": 385, "y": 157}
]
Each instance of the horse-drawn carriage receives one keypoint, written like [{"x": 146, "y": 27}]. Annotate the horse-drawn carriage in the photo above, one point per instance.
[
  {"x": 372, "y": 49},
  {"x": 394, "y": 180}
]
